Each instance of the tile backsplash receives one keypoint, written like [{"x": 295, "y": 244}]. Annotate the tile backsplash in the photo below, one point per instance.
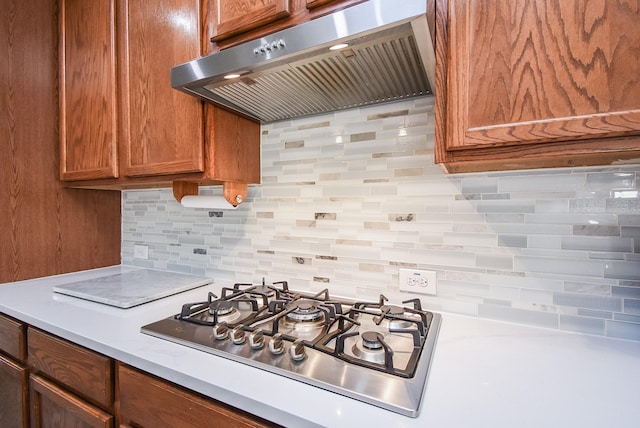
[{"x": 349, "y": 198}]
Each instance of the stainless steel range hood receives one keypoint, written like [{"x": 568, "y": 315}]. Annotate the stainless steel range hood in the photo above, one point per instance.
[{"x": 293, "y": 73}]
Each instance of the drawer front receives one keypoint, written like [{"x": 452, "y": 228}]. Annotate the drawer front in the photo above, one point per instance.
[
  {"x": 83, "y": 371},
  {"x": 12, "y": 338},
  {"x": 149, "y": 402}
]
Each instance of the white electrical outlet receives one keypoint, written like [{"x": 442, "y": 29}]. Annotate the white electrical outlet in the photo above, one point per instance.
[
  {"x": 418, "y": 281},
  {"x": 140, "y": 251}
]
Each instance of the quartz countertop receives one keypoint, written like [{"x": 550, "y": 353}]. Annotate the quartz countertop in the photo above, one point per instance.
[{"x": 484, "y": 373}]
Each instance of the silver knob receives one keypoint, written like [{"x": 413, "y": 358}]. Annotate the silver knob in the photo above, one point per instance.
[
  {"x": 221, "y": 331},
  {"x": 237, "y": 335},
  {"x": 256, "y": 339},
  {"x": 276, "y": 345},
  {"x": 297, "y": 350}
]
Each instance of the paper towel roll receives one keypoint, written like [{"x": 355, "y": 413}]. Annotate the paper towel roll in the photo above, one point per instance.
[{"x": 210, "y": 202}]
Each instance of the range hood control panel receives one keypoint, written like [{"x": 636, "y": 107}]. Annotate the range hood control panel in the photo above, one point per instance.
[{"x": 268, "y": 47}]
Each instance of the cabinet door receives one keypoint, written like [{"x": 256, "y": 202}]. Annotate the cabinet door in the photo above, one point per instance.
[
  {"x": 540, "y": 71},
  {"x": 148, "y": 402},
  {"x": 14, "y": 393},
  {"x": 161, "y": 129},
  {"x": 54, "y": 407},
  {"x": 88, "y": 103},
  {"x": 233, "y": 17}
]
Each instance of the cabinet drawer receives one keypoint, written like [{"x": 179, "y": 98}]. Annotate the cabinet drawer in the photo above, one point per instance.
[
  {"x": 12, "y": 338},
  {"x": 149, "y": 402},
  {"x": 85, "y": 372}
]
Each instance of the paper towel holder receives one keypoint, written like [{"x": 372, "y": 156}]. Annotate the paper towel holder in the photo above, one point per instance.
[{"x": 234, "y": 193}]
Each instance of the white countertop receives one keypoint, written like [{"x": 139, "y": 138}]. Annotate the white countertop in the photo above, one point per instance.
[{"x": 484, "y": 373}]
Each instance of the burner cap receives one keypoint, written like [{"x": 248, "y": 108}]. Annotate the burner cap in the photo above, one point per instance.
[
  {"x": 260, "y": 290},
  {"x": 305, "y": 310},
  {"x": 220, "y": 307},
  {"x": 371, "y": 340}
]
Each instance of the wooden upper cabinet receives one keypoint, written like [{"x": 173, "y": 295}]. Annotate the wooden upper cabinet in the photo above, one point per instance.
[
  {"x": 122, "y": 124},
  {"x": 88, "y": 102},
  {"x": 161, "y": 128},
  {"x": 539, "y": 83},
  {"x": 231, "y": 17}
]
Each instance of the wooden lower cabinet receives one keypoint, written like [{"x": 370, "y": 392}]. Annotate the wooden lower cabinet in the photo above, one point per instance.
[
  {"x": 14, "y": 376},
  {"x": 14, "y": 394},
  {"x": 49, "y": 382},
  {"x": 149, "y": 402},
  {"x": 52, "y": 406}
]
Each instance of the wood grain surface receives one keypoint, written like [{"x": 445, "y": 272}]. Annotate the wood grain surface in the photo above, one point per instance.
[
  {"x": 546, "y": 70},
  {"x": 14, "y": 394},
  {"x": 87, "y": 373},
  {"x": 53, "y": 407},
  {"x": 46, "y": 229},
  {"x": 542, "y": 83}
]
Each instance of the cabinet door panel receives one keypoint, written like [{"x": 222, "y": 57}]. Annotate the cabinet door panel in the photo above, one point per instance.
[
  {"x": 88, "y": 104},
  {"x": 14, "y": 393},
  {"x": 161, "y": 128},
  {"x": 53, "y": 407},
  {"x": 542, "y": 71},
  {"x": 238, "y": 16}
]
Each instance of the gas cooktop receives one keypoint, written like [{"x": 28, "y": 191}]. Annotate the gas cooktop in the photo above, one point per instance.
[{"x": 376, "y": 352}]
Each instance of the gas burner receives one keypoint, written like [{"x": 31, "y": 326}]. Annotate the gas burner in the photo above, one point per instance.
[
  {"x": 224, "y": 310},
  {"x": 303, "y": 319},
  {"x": 371, "y": 340},
  {"x": 392, "y": 310},
  {"x": 304, "y": 311},
  {"x": 370, "y": 348},
  {"x": 220, "y": 307},
  {"x": 395, "y": 311},
  {"x": 261, "y": 290}
]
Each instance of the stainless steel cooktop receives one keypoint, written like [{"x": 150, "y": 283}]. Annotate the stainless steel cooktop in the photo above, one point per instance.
[{"x": 377, "y": 352}]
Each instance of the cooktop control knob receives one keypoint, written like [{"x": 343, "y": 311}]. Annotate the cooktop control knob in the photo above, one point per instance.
[
  {"x": 221, "y": 331},
  {"x": 237, "y": 335},
  {"x": 256, "y": 339},
  {"x": 297, "y": 350},
  {"x": 276, "y": 345}
]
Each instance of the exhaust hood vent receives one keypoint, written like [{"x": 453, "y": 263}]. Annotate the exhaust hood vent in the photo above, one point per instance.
[{"x": 293, "y": 73}]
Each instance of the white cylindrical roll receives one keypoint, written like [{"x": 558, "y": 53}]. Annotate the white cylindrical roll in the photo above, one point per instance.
[{"x": 210, "y": 202}]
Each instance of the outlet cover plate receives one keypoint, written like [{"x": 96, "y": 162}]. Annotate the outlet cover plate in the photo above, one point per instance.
[{"x": 418, "y": 281}]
